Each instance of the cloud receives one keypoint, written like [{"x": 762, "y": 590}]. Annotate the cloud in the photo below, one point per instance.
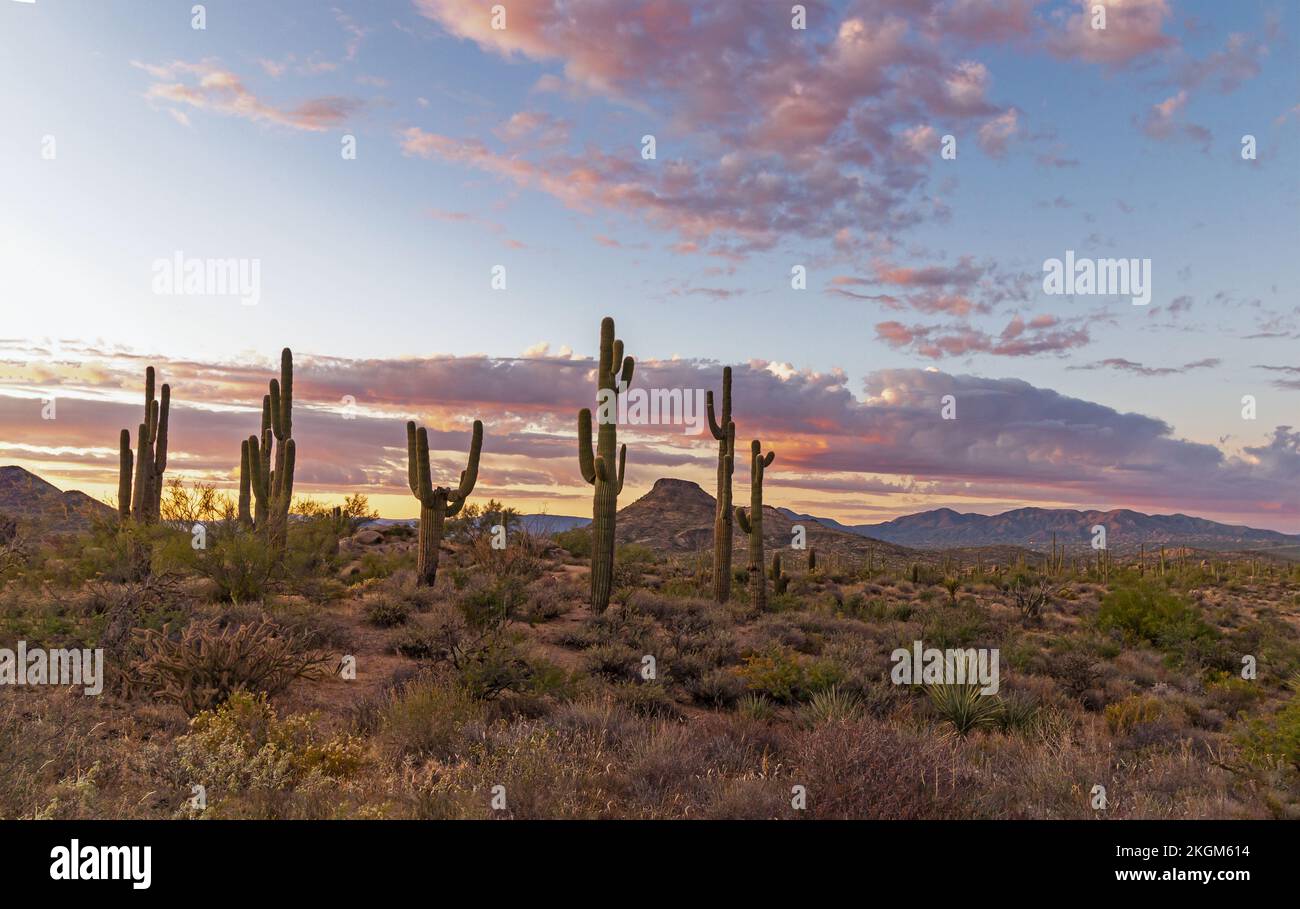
[
  {"x": 808, "y": 137},
  {"x": 207, "y": 86},
  {"x": 1123, "y": 365},
  {"x": 1043, "y": 334},
  {"x": 1134, "y": 32},
  {"x": 1011, "y": 441}
]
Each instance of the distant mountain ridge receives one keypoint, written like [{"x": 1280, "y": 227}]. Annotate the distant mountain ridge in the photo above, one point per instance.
[
  {"x": 31, "y": 500},
  {"x": 943, "y": 528}
]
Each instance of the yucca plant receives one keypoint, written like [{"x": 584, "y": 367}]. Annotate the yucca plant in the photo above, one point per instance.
[
  {"x": 964, "y": 707},
  {"x": 756, "y": 707},
  {"x": 832, "y": 705}
]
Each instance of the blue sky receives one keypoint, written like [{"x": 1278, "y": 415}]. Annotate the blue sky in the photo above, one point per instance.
[{"x": 520, "y": 147}]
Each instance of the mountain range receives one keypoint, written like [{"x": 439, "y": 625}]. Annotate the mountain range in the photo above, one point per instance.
[
  {"x": 1033, "y": 528},
  {"x": 677, "y": 516}
]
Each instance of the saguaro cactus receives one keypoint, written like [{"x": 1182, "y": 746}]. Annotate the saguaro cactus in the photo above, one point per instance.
[
  {"x": 752, "y": 523},
  {"x": 272, "y": 489},
  {"x": 614, "y": 374},
  {"x": 779, "y": 581},
  {"x": 436, "y": 504},
  {"x": 725, "y": 432},
  {"x": 140, "y": 476}
]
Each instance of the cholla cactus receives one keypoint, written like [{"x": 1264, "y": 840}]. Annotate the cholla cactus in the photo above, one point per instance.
[
  {"x": 271, "y": 489},
  {"x": 725, "y": 432},
  {"x": 752, "y": 523},
  {"x": 140, "y": 475},
  {"x": 436, "y": 504},
  {"x": 614, "y": 374}
]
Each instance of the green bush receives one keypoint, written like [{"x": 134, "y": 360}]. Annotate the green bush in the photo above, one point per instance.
[
  {"x": 1147, "y": 612},
  {"x": 576, "y": 542}
]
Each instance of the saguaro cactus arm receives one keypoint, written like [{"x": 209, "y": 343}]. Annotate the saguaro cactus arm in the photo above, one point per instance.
[
  {"x": 719, "y": 429},
  {"x": 586, "y": 459},
  {"x": 743, "y": 520},
  {"x": 126, "y": 463},
  {"x": 622, "y": 463},
  {"x": 469, "y": 476}
]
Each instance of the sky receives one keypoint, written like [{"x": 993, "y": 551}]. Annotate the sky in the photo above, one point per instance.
[{"x": 386, "y": 166}]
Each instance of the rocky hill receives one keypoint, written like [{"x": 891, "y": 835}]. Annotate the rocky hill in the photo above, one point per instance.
[{"x": 32, "y": 501}]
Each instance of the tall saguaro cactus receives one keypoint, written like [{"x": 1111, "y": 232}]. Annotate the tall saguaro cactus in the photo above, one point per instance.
[
  {"x": 725, "y": 432},
  {"x": 752, "y": 523},
  {"x": 436, "y": 503},
  {"x": 271, "y": 488},
  {"x": 140, "y": 475},
  {"x": 614, "y": 374}
]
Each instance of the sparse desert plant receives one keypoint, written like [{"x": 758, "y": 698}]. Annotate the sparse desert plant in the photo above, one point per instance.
[
  {"x": 756, "y": 707},
  {"x": 387, "y": 612},
  {"x": 1030, "y": 595},
  {"x": 436, "y": 503},
  {"x": 1122, "y": 717},
  {"x": 964, "y": 706},
  {"x": 603, "y": 470},
  {"x": 430, "y": 716},
  {"x": 752, "y": 523},
  {"x": 833, "y": 705},
  {"x": 205, "y": 664}
]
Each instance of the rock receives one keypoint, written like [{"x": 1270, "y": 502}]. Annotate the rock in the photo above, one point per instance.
[{"x": 368, "y": 537}]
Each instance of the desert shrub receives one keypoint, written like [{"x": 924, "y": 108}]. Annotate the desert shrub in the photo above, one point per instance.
[
  {"x": 785, "y": 678},
  {"x": 866, "y": 770},
  {"x": 576, "y": 542},
  {"x": 716, "y": 688},
  {"x": 1018, "y": 713},
  {"x": 1275, "y": 740},
  {"x": 616, "y": 662},
  {"x": 430, "y": 717},
  {"x": 1030, "y": 593},
  {"x": 964, "y": 706},
  {"x": 244, "y": 745},
  {"x": 648, "y": 699},
  {"x": 500, "y": 666},
  {"x": 958, "y": 626},
  {"x": 490, "y": 602},
  {"x": 1122, "y": 717},
  {"x": 239, "y": 565},
  {"x": 386, "y": 612},
  {"x": 205, "y": 664},
  {"x": 1150, "y": 613}
]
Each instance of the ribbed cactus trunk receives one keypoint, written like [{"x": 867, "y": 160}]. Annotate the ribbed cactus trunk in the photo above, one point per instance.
[
  {"x": 432, "y": 520},
  {"x": 140, "y": 475},
  {"x": 725, "y": 432},
  {"x": 436, "y": 504},
  {"x": 604, "y": 471},
  {"x": 752, "y": 523}
]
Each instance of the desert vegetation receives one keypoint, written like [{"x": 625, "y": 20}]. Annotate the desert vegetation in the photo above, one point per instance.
[
  {"x": 325, "y": 680},
  {"x": 289, "y": 660}
]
